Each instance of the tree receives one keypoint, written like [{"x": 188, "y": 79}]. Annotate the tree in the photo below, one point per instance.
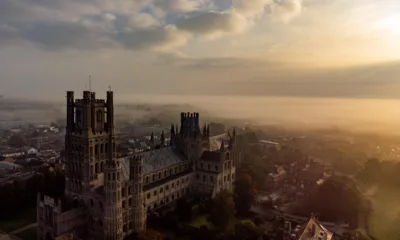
[
  {"x": 372, "y": 170},
  {"x": 245, "y": 193},
  {"x": 337, "y": 199},
  {"x": 245, "y": 230},
  {"x": 355, "y": 235},
  {"x": 149, "y": 234},
  {"x": 223, "y": 210},
  {"x": 183, "y": 210},
  {"x": 16, "y": 141}
]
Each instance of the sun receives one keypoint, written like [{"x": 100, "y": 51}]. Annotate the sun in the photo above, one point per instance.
[{"x": 390, "y": 24}]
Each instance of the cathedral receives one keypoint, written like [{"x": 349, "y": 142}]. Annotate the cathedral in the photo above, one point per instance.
[{"x": 109, "y": 197}]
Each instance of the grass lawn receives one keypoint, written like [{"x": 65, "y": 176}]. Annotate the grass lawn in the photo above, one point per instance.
[
  {"x": 28, "y": 234},
  {"x": 18, "y": 221},
  {"x": 199, "y": 221}
]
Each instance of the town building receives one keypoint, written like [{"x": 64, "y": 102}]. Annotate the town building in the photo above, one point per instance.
[
  {"x": 109, "y": 197},
  {"x": 311, "y": 229}
]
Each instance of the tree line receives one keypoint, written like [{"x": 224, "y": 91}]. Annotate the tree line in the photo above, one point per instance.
[
  {"x": 337, "y": 199},
  {"x": 19, "y": 196},
  {"x": 224, "y": 209}
]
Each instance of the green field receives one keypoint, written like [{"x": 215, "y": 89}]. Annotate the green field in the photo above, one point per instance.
[
  {"x": 199, "y": 221},
  {"x": 18, "y": 221},
  {"x": 28, "y": 234}
]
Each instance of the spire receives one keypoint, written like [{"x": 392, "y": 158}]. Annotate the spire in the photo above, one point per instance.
[
  {"x": 152, "y": 138},
  {"x": 172, "y": 129},
  {"x": 162, "y": 138},
  {"x": 208, "y": 129},
  {"x": 222, "y": 148},
  {"x": 234, "y": 132},
  {"x": 205, "y": 129},
  {"x": 197, "y": 131}
]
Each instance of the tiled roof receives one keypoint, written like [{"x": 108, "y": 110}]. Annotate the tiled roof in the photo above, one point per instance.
[
  {"x": 313, "y": 230},
  {"x": 7, "y": 165},
  {"x": 154, "y": 160}
]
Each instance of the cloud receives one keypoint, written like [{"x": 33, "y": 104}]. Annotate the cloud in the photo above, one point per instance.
[
  {"x": 134, "y": 25},
  {"x": 7, "y": 34},
  {"x": 178, "y": 6},
  {"x": 250, "y": 8},
  {"x": 62, "y": 35},
  {"x": 285, "y": 10},
  {"x": 213, "y": 23},
  {"x": 157, "y": 38}
]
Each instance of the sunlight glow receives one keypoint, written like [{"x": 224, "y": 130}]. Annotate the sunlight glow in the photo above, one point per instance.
[{"x": 391, "y": 24}]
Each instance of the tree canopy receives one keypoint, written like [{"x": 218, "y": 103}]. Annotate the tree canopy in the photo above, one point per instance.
[
  {"x": 222, "y": 210},
  {"x": 183, "y": 210},
  {"x": 16, "y": 141},
  {"x": 245, "y": 229},
  {"x": 337, "y": 199},
  {"x": 149, "y": 234},
  {"x": 354, "y": 235},
  {"x": 245, "y": 193},
  {"x": 21, "y": 195},
  {"x": 372, "y": 171}
]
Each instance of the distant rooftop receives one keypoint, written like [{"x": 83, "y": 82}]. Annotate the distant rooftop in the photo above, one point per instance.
[{"x": 215, "y": 141}]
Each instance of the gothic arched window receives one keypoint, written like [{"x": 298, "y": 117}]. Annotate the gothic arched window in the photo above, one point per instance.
[
  {"x": 99, "y": 116},
  {"x": 78, "y": 117}
]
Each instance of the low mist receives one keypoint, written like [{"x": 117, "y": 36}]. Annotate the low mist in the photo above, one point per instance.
[{"x": 371, "y": 115}]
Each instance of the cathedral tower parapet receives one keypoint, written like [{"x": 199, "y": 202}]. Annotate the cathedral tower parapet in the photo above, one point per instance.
[{"x": 89, "y": 133}]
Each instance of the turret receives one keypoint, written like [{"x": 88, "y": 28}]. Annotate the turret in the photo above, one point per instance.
[
  {"x": 172, "y": 135},
  {"x": 162, "y": 139},
  {"x": 222, "y": 147},
  {"x": 113, "y": 204},
  {"x": 138, "y": 208},
  {"x": 70, "y": 112},
  {"x": 112, "y": 181},
  {"x": 152, "y": 140},
  {"x": 110, "y": 111}
]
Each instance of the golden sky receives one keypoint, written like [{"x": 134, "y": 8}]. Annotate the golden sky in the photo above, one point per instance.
[{"x": 192, "y": 46}]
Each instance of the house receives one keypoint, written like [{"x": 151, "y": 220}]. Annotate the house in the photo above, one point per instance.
[
  {"x": 311, "y": 229},
  {"x": 276, "y": 177},
  {"x": 12, "y": 152},
  {"x": 7, "y": 166},
  {"x": 32, "y": 151}
]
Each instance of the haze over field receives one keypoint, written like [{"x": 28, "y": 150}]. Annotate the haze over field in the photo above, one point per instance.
[{"x": 370, "y": 115}]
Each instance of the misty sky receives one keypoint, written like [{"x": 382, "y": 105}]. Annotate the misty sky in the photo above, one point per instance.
[{"x": 334, "y": 48}]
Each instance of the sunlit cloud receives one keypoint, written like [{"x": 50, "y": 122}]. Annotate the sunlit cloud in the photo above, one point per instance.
[
  {"x": 157, "y": 45},
  {"x": 135, "y": 25}
]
